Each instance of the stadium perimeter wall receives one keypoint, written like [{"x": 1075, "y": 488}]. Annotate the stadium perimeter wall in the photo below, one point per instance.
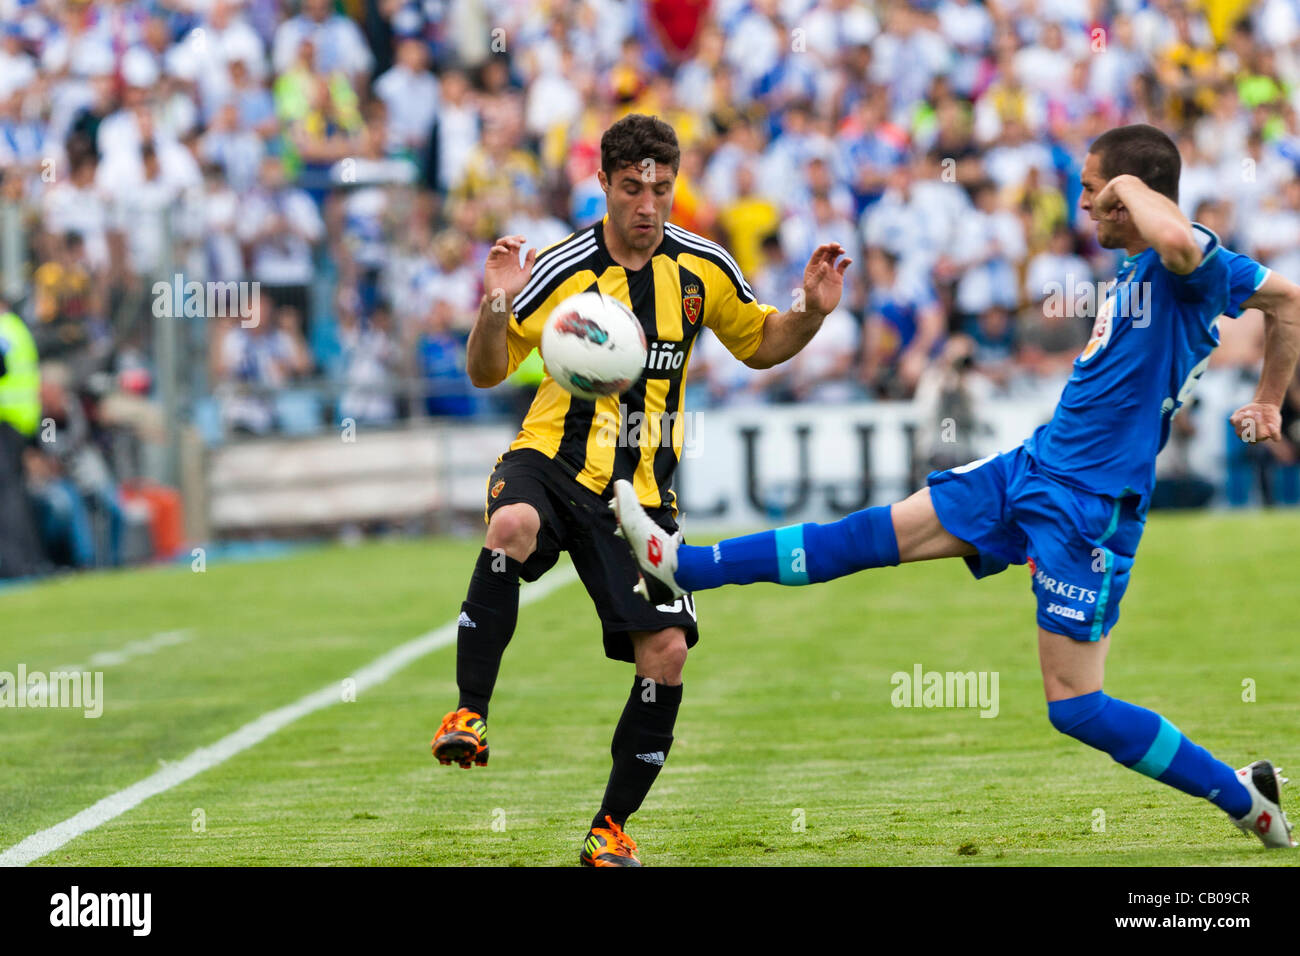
[{"x": 741, "y": 467}]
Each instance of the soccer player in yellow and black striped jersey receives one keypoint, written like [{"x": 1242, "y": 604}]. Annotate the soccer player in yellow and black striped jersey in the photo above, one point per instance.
[{"x": 549, "y": 492}]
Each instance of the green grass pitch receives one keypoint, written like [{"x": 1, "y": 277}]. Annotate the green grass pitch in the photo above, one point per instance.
[{"x": 788, "y": 748}]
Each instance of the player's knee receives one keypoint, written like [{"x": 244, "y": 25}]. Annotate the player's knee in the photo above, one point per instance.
[
  {"x": 675, "y": 654},
  {"x": 513, "y": 529},
  {"x": 663, "y": 655}
]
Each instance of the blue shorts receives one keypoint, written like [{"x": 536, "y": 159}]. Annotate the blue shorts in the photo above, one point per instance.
[{"x": 1079, "y": 545}]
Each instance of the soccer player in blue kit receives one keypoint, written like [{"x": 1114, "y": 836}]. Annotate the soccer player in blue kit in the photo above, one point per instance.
[{"x": 1071, "y": 501}]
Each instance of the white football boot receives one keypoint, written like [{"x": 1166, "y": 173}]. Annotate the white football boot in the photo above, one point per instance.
[
  {"x": 1265, "y": 819},
  {"x": 654, "y": 549}
]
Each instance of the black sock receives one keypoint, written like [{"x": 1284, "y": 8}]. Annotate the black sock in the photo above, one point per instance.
[
  {"x": 642, "y": 740},
  {"x": 487, "y": 622}
]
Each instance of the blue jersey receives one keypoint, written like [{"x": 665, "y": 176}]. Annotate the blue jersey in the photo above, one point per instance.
[
  {"x": 1150, "y": 343},
  {"x": 1245, "y": 276}
]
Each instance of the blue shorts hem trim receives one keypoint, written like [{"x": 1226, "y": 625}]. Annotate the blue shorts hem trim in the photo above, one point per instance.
[{"x": 1080, "y": 638}]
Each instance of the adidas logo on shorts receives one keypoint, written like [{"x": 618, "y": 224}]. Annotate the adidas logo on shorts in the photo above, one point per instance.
[{"x": 465, "y": 620}]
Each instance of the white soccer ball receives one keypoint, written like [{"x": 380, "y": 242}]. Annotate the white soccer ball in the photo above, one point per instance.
[{"x": 593, "y": 346}]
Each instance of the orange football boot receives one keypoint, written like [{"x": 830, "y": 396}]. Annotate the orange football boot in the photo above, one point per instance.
[
  {"x": 462, "y": 738},
  {"x": 608, "y": 847}
]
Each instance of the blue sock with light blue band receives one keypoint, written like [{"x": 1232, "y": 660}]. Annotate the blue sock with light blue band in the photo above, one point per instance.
[
  {"x": 797, "y": 554},
  {"x": 1144, "y": 741}
]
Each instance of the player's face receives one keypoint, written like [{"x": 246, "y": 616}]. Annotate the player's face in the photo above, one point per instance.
[
  {"x": 1110, "y": 235},
  {"x": 638, "y": 199}
]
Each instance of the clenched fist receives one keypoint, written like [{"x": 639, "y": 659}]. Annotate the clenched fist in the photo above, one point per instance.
[{"x": 1258, "y": 421}]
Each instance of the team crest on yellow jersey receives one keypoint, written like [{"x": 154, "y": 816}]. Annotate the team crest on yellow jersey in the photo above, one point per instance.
[{"x": 692, "y": 302}]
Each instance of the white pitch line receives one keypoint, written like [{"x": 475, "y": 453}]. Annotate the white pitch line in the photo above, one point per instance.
[
  {"x": 134, "y": 649},
  {"x": 120, "y": 656},
  {"x": 376, "y": 672}
]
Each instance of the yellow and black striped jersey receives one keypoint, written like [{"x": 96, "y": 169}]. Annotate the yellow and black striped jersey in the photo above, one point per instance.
[{"x": 689, "y": 282}]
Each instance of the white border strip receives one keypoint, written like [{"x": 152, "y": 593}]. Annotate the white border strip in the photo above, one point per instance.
[{"x": 376, "y": 672}]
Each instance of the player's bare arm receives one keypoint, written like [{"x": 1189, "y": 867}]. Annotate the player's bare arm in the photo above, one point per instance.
[
  {"x": 1156, "y": 219},
  {"x": 786, "y": 334},
  {"x": 1279, "y": 300},
  {"x": 486, "y": 356}
]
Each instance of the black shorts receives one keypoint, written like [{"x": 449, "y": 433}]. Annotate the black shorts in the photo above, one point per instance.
[{"x": 577, "y": 520}]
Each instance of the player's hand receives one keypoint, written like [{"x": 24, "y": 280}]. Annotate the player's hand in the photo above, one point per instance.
[
  {"x": 502, "y": 273},
  {"x": 823, "y": 278},
  {"x": 1107, "y": 206},
  {"x": 1258, "y": 421}
]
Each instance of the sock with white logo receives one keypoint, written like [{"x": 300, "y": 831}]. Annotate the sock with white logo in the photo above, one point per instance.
[
  {"x": 799, "y": 554},
  {"x": 642, "y": 740},
  {"x": 1144, "y": 741},
  {"x": 487, "y": 622}
]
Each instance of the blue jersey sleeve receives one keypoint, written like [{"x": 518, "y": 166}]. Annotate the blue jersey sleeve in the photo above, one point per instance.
[
  {"x": 1245, "y": 276},
  {"x": 1208, "y": 282}
]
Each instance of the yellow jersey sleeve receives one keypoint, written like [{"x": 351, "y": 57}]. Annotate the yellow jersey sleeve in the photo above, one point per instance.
[{"x": 734, "y": 315}]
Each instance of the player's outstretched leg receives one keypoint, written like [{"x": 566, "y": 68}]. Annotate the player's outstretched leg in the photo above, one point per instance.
[
  {"x": 1144, "y": 741},
  {"x": 487, "y": 622},
  {"x": 799, "y": 554}
]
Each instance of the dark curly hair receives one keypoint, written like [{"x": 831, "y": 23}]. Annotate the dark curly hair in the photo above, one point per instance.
[{"x": 636, "y": 138}]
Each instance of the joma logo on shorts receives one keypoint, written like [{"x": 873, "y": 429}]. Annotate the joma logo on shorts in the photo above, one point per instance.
[
  {"x": 1073, "y": 613},
  {"x": 1066, "y": 590}
]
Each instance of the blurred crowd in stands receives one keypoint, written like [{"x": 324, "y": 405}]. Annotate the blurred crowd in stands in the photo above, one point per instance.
[{"x": 356, "y": 158}]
